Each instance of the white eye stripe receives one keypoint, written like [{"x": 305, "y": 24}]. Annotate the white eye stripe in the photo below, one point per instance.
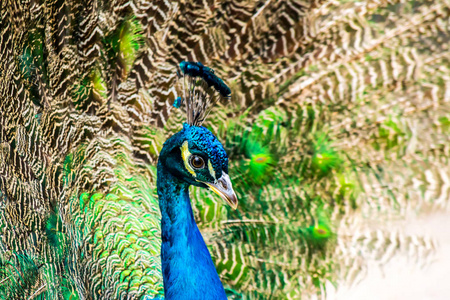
[
  {"x": 211, "y": 170},
  {"x": 185, "y": 153}
]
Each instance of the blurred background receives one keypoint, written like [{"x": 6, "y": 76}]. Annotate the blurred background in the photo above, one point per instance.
[{"x": 337, "y": 133}]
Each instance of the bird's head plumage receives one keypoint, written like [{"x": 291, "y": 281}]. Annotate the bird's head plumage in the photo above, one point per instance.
[
  {"x": 202, "y": 88},
  {"x": 194, "y": 154}
]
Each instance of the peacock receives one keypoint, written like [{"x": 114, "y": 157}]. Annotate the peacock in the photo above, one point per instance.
[
  {"x": 192, "y": 156},
  {"x": 334, "y": 120}
]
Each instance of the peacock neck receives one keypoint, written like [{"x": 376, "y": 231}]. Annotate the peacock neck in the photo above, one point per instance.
[{"x": 188, "y": 270}]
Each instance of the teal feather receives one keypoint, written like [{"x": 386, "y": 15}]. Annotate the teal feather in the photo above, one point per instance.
[{"x": 188, "y": 270}]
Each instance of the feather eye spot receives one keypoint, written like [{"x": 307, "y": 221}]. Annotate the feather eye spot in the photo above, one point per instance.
[{"x": 261, "y": 159}]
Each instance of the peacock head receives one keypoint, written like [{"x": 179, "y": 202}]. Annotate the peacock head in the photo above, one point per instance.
[{"x": 195, "y": 156}]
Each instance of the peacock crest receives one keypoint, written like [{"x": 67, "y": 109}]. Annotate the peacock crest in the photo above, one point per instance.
[{"x": 201, "y": 90}]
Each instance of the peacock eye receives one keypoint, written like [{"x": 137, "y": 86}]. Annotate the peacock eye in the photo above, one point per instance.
[{"x": 196, "y": 162}]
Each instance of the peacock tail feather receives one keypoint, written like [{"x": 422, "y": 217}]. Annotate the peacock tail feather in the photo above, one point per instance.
[{"x": 339, "y": 114}]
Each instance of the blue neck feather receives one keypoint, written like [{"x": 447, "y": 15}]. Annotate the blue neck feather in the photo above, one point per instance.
[{"x": 188, "y": 270}]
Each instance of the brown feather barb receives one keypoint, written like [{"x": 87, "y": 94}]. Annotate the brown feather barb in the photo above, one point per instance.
[{"x": 347, "y": 110}]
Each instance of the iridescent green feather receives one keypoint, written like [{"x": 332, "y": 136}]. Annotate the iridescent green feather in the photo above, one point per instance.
[{"x": 338, "y": 115}]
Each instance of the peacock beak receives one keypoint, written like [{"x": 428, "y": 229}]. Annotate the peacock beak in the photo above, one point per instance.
[{"x": 224, "y": 189}]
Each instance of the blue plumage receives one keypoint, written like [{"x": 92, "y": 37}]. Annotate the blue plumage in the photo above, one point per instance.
[
  {"x": 177, "y": 102},
  {"x": 197, "y": 69},
  {"x": 192, "y": 156},
  {"x": 217, "y": 83},
  {"x": 191, "y": 68}
]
